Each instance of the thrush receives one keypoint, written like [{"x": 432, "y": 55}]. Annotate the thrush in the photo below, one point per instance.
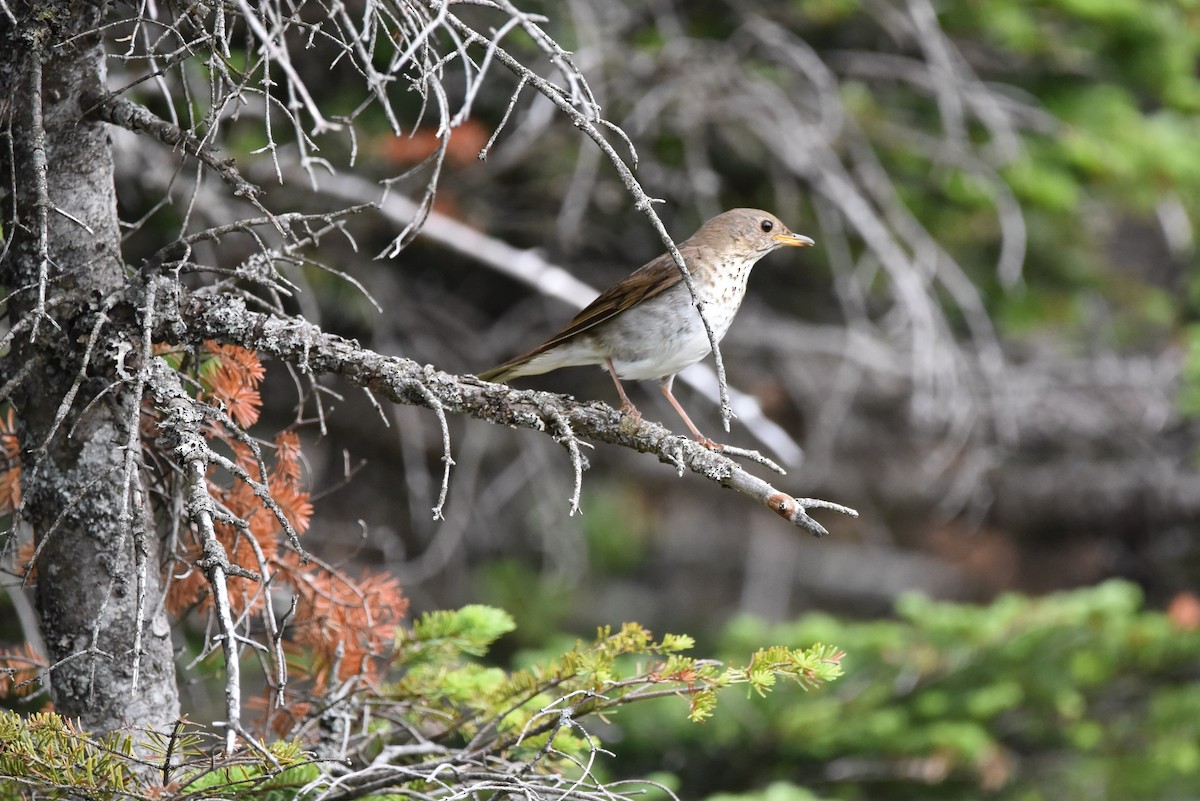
[{"x": 647, "y": 326}]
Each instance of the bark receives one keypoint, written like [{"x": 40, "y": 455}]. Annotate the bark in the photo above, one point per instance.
[{"x": 97, "y": 578}]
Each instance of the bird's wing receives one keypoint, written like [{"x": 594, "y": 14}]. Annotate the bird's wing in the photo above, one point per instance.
[
  {"x": 646, "y": 282},
  {"x": 649, "y": 280}
]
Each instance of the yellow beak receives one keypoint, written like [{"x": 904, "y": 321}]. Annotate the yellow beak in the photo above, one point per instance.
[{"x": 794, "y": 240}]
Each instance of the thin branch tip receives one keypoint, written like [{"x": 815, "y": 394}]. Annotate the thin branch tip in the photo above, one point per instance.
[{"x": 793, "y": 510}]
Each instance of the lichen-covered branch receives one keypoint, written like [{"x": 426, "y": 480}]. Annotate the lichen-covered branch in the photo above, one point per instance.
[
  {"x": 181, "y": 435},
  {"x": 404, "y": 381}
]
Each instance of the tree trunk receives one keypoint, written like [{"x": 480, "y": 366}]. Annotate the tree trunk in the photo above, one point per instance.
[{"x": 93, "y": 574}]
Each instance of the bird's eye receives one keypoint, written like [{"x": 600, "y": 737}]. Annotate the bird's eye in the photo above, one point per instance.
[{"x": 767, "y": 225}]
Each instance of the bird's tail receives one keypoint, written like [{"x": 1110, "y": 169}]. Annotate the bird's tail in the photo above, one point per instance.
[
  {"x": 513, "y": 368},
  {"x": 499, "y": 374},
  {"x": 542, "y": 359}
]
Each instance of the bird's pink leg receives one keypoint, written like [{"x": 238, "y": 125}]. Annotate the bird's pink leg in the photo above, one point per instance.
[
  {"x": 627, "y": 406},
  {"x": 665, "y": 386}
]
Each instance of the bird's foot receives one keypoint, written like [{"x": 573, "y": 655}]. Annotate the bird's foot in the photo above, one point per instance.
[
  {"x": 712, "y": 445},
  {"x": 631, "y": 418}
]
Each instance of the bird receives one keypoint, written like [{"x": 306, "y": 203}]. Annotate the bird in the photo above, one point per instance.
[{"x": 647, "y": 327}]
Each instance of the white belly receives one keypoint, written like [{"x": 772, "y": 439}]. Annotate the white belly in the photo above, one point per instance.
[{"x": 666, "y": 344}]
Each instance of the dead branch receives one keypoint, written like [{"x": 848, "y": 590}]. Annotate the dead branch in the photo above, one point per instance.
[
  {"x": 181, "y": 434},
  {"x": 404, "y": 381}
]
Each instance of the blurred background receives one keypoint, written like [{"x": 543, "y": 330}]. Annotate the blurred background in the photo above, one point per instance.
[{"x": 992, "y": 354}]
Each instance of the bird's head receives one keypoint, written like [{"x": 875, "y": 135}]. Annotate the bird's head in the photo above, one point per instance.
[{"x": 755, "y": 231}]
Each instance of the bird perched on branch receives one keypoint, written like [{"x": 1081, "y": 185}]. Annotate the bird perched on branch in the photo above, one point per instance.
[{"x": 647, "y": 326}]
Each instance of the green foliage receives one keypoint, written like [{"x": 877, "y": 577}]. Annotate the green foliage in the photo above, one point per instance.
[
  {"x": 541, "y": 602},
  {"x": 1045, "y": 698},
  {"x": 276, "y": 777},
  {"x": 519, "y": 709},
  {"x": 1029, "y": 699},
  {"x": 47, "y": 757},
  {"x": 1118, "y": 79},
  {"x": 441, "y": 635},
  {"x": 1189, "y": 393},
  {"x": 48, "y": 754},
  {"x": 444, "y": 693}
]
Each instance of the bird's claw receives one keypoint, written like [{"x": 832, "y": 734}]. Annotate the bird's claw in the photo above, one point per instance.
[{"x": 631, "y": 418}]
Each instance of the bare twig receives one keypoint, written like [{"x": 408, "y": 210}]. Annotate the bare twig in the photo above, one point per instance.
[
  {"x": 42, "y": 207},
  {"x": 181, "y": 433},
  {"x": 578, "y": 464},
  {"x": 131, "y": 514},
  {"x": 447, "y": 461},
  {"x": 120, "y": 111}
]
